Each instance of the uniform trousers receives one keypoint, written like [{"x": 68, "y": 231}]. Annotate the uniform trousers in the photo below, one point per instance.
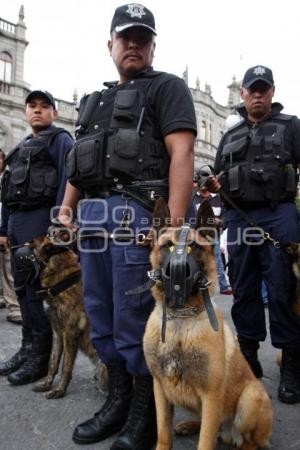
[
  {"x": 251, "y": 260},
  {"x": 109, "y": 269},
  {"x": 23, "y": 226}
]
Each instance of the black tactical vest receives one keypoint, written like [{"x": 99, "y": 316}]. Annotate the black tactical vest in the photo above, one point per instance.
[
  {"x": 131, "y": 149},
  {"x": 256, "y": 165},
  {"x": 31, "y": 181}
]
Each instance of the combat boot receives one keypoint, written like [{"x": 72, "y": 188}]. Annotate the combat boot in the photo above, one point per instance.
[
  {"x": 249, "y": 350},
  {"x": 36, "y": 364},
  {"x": 113, "y": 414},
  {"x": 139, "y": 431},
  {"x": 19, "y": 358},
  {"x": 289, "y": 386}
]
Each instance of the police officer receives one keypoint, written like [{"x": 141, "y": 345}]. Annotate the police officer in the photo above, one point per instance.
[
  {"x": 33, "y": 183},
  {"x": 134, "y": 144},
  {"x": 257, "y": 160}
]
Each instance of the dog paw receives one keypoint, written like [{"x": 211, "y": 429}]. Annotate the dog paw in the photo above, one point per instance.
[
  {"x": 185, "y": 428},
  {"x": 56, "y": 393},
  {"x": 42, "y": 387}
]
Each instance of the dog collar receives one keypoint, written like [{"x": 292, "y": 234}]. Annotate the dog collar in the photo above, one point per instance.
[
  {"x": 184, "y": 312},
  {"x": 60, "y": 287}
]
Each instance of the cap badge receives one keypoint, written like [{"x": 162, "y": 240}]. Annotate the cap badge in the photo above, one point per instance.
[
  {"x": 136, "y": 10},
  {"x": 259, "y": 70}
]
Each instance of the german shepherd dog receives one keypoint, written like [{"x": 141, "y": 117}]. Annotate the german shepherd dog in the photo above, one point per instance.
[
  {"x": 68, "y": 319},
  {"x": 200, "y": 368}
]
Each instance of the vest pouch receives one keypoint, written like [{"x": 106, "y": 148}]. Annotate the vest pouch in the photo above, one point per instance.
[
  {"x": 88, "y": 161},
  {"x": 122, "y": 152},
  {"x": 19, "y": 175},
  {"x": 256, "y": 147},
  {"x": 291, "y": 179},
  {"x": 37, "y": 183},
  {"x": 15, "y": 185},
  {"x": 43, "y": 185},
  {"x": 127, "y": 108},
  {"x": 51, "y": 183},
  {"x": 236, "y": 150}
]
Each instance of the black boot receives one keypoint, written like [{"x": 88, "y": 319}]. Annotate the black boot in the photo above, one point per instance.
[
  {"x": 249, "y": 350},
  {"x": 139, "y": 431},
  {"x": 111, "y": 417},
  {"x": 289, "y": 387},
  {"x": 19, "y": 358},
  {"x": 36, "y": 364}
]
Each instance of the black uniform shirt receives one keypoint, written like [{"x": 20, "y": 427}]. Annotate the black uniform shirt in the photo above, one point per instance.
[{"x": 169, "y": 104}]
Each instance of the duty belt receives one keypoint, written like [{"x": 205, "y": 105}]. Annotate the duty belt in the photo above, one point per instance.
[{"x": 144, "y": 192}]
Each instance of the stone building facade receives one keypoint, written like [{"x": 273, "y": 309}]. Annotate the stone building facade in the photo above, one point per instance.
[
  {"x": 211, "y": 116},
  {"x": 14, "y": 90}
]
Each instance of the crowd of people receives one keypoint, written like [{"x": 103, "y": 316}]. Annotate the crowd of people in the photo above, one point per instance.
[{"x": 134, "y": 143}]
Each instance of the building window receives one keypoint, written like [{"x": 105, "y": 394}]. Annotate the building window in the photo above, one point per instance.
[
  {"x": 209, "y": 134},
  {"x": 203, "y": 135},
  {"x": 5, "y": 67}
]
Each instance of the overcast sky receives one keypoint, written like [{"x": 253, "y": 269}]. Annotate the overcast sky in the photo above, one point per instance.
[{"x": 216, "y": 39}]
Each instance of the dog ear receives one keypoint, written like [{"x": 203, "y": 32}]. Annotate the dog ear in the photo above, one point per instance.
[
  {"x": 161, "y": 215},
  {"x": 205, "y": 223},
  {"x": 160, "y": 220}
]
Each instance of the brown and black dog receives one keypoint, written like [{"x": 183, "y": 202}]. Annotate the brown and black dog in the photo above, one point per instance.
[
  {"x": 68, "y": 319},
  {"x": 199, "y": 368}
]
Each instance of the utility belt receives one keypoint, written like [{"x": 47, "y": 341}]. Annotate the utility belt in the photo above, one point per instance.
[
  {"x": 20, "y": 207},
  {"x": 144, "y": 192}
]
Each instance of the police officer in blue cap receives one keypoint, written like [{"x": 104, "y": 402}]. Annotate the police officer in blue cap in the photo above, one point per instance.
[
  {"x": 34, "y": 182},
  {"x": 134, "y": 144},
  {"x": 258, "y": 161}
]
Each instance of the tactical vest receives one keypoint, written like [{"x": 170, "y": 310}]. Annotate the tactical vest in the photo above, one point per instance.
[
  {"x": 31, "y": 181},
  {"x": 256, "y": 167},
  {"x": 131, "y": 149}
]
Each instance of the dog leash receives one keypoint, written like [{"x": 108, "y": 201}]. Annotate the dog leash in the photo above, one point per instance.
[
  {"x": 126, "y": 235},
  {"x": 266, "y": 236}
]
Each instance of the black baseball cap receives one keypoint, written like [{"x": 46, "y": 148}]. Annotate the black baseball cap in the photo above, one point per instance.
[
  {"x": 42, "y": 94},
  {"x": 132, "y": 15},
  {"x": 258, "y": 73}
]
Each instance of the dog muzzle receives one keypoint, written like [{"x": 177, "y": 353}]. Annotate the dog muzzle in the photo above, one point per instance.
[
  {"x": 181, "y": 277},
  {"x": 180, "y": 272},
  {"x": 25, "y": 261}
]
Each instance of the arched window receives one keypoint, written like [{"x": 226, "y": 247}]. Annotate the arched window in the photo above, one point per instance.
[
  {"x": 5, "y": 67},
  {"x": 203, "y": 131}
]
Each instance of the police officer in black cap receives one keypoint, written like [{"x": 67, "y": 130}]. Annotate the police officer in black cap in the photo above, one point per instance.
[
  {"x": 134, "y": 144},
  {"x": 34, "y": 182},
  {"x": 258, "y": 160}
]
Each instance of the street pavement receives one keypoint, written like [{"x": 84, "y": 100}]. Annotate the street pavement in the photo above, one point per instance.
[{"x": 28, "y": 421}]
